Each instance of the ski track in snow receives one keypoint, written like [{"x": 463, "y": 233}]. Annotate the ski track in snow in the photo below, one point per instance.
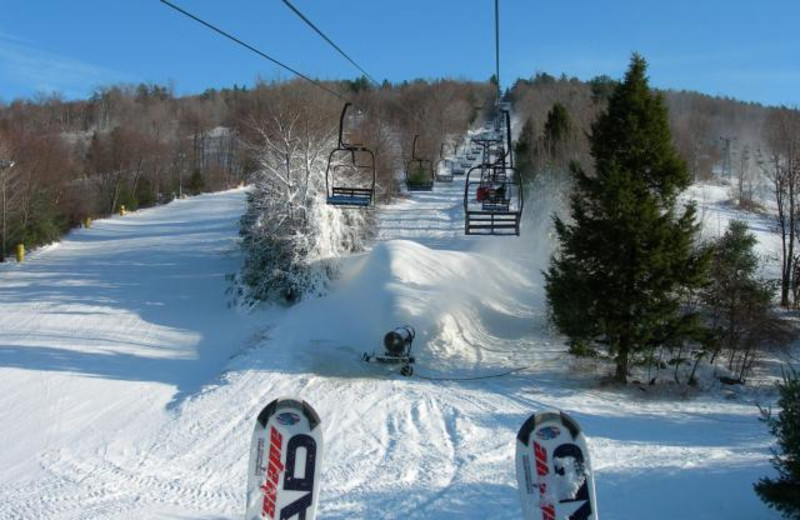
[{"x": 128, "y": 388}]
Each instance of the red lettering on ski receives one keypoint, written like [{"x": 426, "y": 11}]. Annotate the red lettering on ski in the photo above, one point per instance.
[
  {"x": 542, "y": 469},
  {"x": 274, "y": 470},
  {"x": 541, "y": 459}
]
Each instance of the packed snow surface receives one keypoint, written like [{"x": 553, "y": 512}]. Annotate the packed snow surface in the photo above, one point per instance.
[{"x": 129, "y": 386}]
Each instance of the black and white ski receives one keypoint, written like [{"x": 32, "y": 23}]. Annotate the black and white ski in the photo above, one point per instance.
[
  {"x": 554, "y": 473},
  {"x": 285, "y": 462}
]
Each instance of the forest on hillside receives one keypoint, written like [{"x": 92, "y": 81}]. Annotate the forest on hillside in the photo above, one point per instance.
[{"x": 141, "y": 145}]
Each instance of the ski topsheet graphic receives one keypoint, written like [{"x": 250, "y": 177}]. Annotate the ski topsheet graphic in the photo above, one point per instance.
[
  {"x": 285, "y": 462},
  {"x": 554, "y": 472}
]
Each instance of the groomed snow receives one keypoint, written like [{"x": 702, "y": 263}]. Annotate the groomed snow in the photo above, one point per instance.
[{"x": 128, "y": 387}]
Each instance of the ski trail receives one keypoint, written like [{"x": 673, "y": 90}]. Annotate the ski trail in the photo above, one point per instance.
[
  {"x": 434, "y": 219},
  {"x": 129, "y": 390},
  {"x": 99, "y": 334}
]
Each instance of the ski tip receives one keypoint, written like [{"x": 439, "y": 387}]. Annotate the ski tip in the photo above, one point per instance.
[
  {"x": 547, "y": 415},
  {"x": 571, "y": 424},
  {"x": 311, "y": 415},
  {"x": 289, "y": 402},
  {"x": 266, "y": 413},
  {"x": 538, "y": 418},
  {"x": 527, "y": 428}
]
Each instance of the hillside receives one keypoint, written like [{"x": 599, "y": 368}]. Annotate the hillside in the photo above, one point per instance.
[{"x": 129, "y": 387}]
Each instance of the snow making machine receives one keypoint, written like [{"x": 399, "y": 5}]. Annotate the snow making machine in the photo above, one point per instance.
[{"x": 396, "y": 349}]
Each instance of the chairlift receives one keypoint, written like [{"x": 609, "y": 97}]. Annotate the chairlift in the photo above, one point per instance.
[
  {"x": 350, "y": 174},
  {"x": 496, "y": 146},
  {"x": 419, "y": 172},
  {"x": 493, "y": 193},
  {"x": 509, "y": 147},
  {"x": 492, "y": 190},
  {"x": 487, "y": 144},
  {"x": 444, "y": 167},
  {"x": 493, "y": 201},
  {"x": 458, "y": 168}
]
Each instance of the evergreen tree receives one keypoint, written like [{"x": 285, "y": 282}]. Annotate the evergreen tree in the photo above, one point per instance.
[
  {"x": 624, "y": 260},
  {"x": 523, "y": 151},
  {"x": 783, "y": 493},
  {"x": 557, "y": 127},
  {"x": 197, "y": 183},
  {"x": 602, "y": 88},
  {"x": 737, "y": 303},
  {"x": 360, "y": 84}
]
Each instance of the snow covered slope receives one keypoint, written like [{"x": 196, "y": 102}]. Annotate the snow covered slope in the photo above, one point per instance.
[{"x": 129, "y": 388}]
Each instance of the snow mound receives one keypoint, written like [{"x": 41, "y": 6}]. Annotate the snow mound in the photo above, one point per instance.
[{"x": 459, "y": 303}]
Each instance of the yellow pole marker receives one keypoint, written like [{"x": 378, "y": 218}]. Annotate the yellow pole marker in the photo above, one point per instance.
[
  {"x": 122, "y": 210},
  {"x": 87, "y": 222},
  {"x": 20, "y": 253}
]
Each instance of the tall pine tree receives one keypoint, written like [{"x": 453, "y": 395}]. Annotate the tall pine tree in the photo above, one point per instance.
[
  {"x": 557, "y": 127},
  {"x": 628, "y": 253}
]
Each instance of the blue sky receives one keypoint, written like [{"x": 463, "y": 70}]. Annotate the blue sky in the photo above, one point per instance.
[{"x": 745, "y": 49}]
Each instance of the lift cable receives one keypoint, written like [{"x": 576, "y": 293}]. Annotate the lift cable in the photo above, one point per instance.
[
  {"x": 366, "y": 74},
  {"x": 253, "y": 49},
  {"x": 283, "y": 65},
  {"x": 497, "y": 45},
  {"x": 332, "y": 44}
]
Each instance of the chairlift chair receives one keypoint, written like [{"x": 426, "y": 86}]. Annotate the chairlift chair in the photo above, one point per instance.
[
  {"x": 493, "y": 193},
  {"x": 486, "y": 144},
  {"x": 419, "y": 172},
  {"x": 458, "y": 168},
  {"x": 350, "y": 174},
  {"x": 493, "y": 201},
  {"x": 444, "y": 167}
]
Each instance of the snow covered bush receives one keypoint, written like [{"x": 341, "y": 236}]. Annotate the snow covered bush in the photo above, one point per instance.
[{"x": 290, "y": 237}]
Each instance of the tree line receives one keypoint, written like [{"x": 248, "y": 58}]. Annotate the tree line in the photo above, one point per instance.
[{"x": 140, "y": 145}]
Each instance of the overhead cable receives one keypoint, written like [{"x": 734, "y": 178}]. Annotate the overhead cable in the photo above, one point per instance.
[
  {"x": 332, "y": 44},
  {"x": 253, "y": 49}
]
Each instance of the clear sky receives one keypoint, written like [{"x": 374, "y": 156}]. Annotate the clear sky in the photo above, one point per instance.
[{"x": 746, "y": 49}]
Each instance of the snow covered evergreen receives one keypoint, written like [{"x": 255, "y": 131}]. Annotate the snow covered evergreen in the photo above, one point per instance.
[{"x": 290, "y": 237}]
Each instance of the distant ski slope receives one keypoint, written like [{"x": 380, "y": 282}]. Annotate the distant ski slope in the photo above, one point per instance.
[{"x": 128, "y": 387}]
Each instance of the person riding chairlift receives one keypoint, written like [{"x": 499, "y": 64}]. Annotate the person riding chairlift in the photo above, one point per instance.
[{"x": 491, "y": 194}]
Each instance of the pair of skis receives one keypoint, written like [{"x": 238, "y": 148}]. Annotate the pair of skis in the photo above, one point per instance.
[{"x": 554, "y": 475}]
